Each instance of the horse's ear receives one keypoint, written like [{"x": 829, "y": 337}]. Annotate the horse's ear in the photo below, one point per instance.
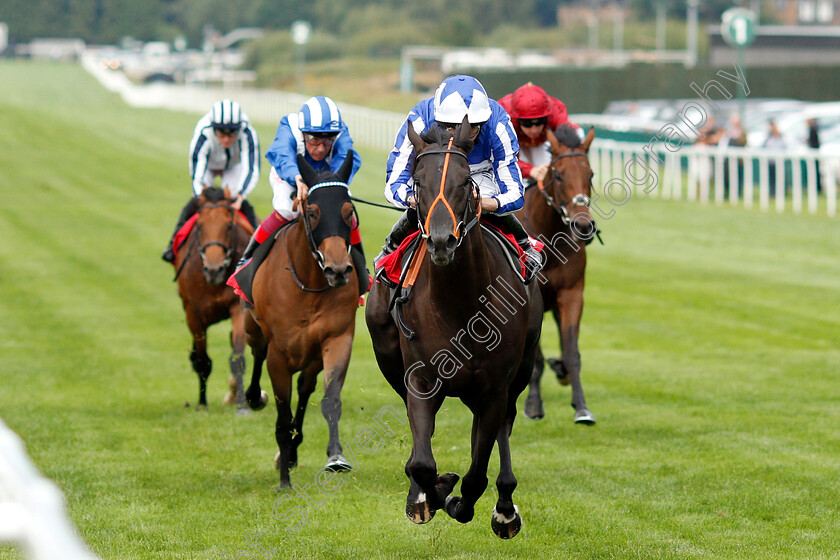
[
  {"x": 306, "y": 172},
  {"x": 552, "y": 139},
  {"x": 464, "y": 130},
  {"x": 588, "y": 140},
  {"x": 346, "y": 167},
  {"x": 415, "y": 139}
]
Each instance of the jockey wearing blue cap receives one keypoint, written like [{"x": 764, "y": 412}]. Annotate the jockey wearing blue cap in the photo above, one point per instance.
[
  {"x": 492, "y": 161},
  {"x": 319, "y": 134}
]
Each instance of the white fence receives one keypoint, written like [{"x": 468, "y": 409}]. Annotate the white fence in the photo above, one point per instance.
[
  {"x": 32, "y": 508},
  {"x": 372, "y": 128},
  {"x": 740, "y": 176},
  {"x": 747, "y": 176}
]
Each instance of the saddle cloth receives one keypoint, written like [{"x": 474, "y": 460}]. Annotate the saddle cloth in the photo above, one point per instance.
[{"x": 390, "y": 268}]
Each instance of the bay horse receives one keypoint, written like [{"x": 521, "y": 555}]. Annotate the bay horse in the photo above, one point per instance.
[
  {"x": 305, "y": 297},
  {"x": 203, "y": 263},
  {"x": 558, "y": 214},
  {"x": 477, "y": 328}
]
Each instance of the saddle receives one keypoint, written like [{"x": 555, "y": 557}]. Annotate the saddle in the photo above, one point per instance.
[
  {"x": 186, "y": 229},
  {"x": 391, "y": 268}
]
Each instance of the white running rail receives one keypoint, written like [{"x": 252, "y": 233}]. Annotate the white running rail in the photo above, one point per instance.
[{"x": 32, "y": 513}]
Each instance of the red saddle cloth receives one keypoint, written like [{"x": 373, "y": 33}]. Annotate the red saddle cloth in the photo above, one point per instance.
[
  {"x": 185, "y": 230},
  {"x": 183, "y": 233},
  {"x": 392, "y": 264}
]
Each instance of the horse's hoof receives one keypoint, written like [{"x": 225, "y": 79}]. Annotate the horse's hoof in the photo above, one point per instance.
[
  {"x": 258, "y": 405},
  {"x": 337, "y": 463},
  {"x": 284, "y": 485},
  {"x": 560, "y": 371},
  {"x": 419, "y": 512},
  {"x": 585, "y": 417},
  {"x": 506, "y": 527},
  {"x": 243, "y": 411},
  {"x": 200, "y": 407},
  {"x": 228, "y": 398},
  {"x": 455, "y": 508},
  {"x": 534, "y": 409}
]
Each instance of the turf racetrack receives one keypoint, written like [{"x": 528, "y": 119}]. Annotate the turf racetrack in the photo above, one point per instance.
[{"x": 710, "y": 344}]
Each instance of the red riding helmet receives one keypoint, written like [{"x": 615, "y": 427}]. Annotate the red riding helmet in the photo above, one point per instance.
[{"x": 530, "y": 102}]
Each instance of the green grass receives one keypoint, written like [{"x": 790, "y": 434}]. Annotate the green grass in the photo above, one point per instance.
[{"x": 710, "y": 349}]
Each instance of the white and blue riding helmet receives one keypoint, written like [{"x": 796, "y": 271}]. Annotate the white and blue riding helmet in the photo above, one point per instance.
[
  {"x": 320, "y": 115},
  {"x": 461, "y": 95},
  {"x": 226, "y": 114}
]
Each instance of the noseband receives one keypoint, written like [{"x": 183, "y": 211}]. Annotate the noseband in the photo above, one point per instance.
[
  {"x": 460, "y": 228},
  {"x": 228, "y": 249}
]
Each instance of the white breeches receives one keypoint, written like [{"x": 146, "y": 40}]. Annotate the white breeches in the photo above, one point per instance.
[
  {"x": 284, "y": 195},
  {"x": 484, "y": 177},
  {"x": 230, "y": 177}
]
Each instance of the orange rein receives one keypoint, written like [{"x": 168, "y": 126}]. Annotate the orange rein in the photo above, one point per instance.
[{"x": 440, "y": 197}]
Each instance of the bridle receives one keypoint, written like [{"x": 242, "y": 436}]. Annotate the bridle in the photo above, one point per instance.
[
  {"x": 462, "y": 226},
  {"x": 310, "y": 237},
  {"x": 577, "y": 200},
  {"x": 228, "y": 249}
]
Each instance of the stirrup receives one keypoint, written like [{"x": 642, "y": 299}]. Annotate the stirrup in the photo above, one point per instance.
[{"x": 533, "y": 264}]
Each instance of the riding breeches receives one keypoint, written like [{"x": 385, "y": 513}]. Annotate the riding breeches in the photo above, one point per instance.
[{"x": 284, "y": 196}]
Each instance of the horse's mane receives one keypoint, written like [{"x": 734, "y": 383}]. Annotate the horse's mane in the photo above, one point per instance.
[
  {"x": 214, "y": 194},
  {"x": 567, "y": 135},
  {"x": 439, "y": 135}
]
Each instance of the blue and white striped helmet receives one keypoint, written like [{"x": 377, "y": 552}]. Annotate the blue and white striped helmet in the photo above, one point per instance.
[
  {"x": 461, "y": 95},
  {"x": 319, "y": 114},
  {"x": 226, "y": 114}
]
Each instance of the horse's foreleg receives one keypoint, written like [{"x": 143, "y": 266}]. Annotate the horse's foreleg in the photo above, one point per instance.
[
  {"x": 237, "y": 359},
  {"x": 201, "y": 362},
  {"x": 506, "y": 521},
  {"x": 488, "y": 419},
  {"x": 570, "y": 304},
  {"x": 336, "y": 357},
  {"x": 534, "y": 404},
  {"x": 306, "y": 385},
  {"x": 256, "y": 397},
  {"x": 428, "y": 491},
  {"x": 281, "y": 382}
]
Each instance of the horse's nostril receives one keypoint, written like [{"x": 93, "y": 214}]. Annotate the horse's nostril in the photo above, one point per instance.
[
  {"x": 329, "y": 271},
  {"x": 451, "y": 242},
  {"x": 348, "y": 270}
]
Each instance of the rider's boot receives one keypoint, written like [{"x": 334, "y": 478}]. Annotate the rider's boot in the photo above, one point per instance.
[
  {"x": 186, "y": 212},
  {"x": 268, "y": 226},
  {"x": 532, "y": 260}
]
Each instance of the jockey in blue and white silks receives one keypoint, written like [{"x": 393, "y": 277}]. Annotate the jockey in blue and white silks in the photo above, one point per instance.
[
  {"x": 318, "y": 133},
  {"x": 493, "y": 161},
  {"x": 225, "y": 145}
]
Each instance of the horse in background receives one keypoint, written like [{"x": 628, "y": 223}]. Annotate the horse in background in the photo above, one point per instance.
[
  {"x": 558, "y": 214},
  {"x": 203, "y": 263},
  {"x": 305, "y": 297},
  {"x": 460, "y": 267}
]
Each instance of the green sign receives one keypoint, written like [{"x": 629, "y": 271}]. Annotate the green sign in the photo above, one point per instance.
[{"x": 738, "y": 27}]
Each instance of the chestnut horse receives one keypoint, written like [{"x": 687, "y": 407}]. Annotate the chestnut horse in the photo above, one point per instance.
[
  {"x": 558, "y": 214},
  {"x": 305, "y": 298},
  {"x": 477, "y": 328},
  {"x": 203, "y": 264}
]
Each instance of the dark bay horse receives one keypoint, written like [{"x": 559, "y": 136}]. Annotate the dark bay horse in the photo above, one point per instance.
[
  {"x": 558, "y": 214},
  {"x": 477, "y": 328},
  {"x": 305, "y": 297},
  {"x": 203, "y": 264}
]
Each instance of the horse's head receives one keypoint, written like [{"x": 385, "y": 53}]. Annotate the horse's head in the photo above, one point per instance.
[
  {"x": 569, "y": 180},
  {"x": 328, "y": 219},
  {"x": 446, "y": 195},
  {"x": 214, "y": 227}
]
